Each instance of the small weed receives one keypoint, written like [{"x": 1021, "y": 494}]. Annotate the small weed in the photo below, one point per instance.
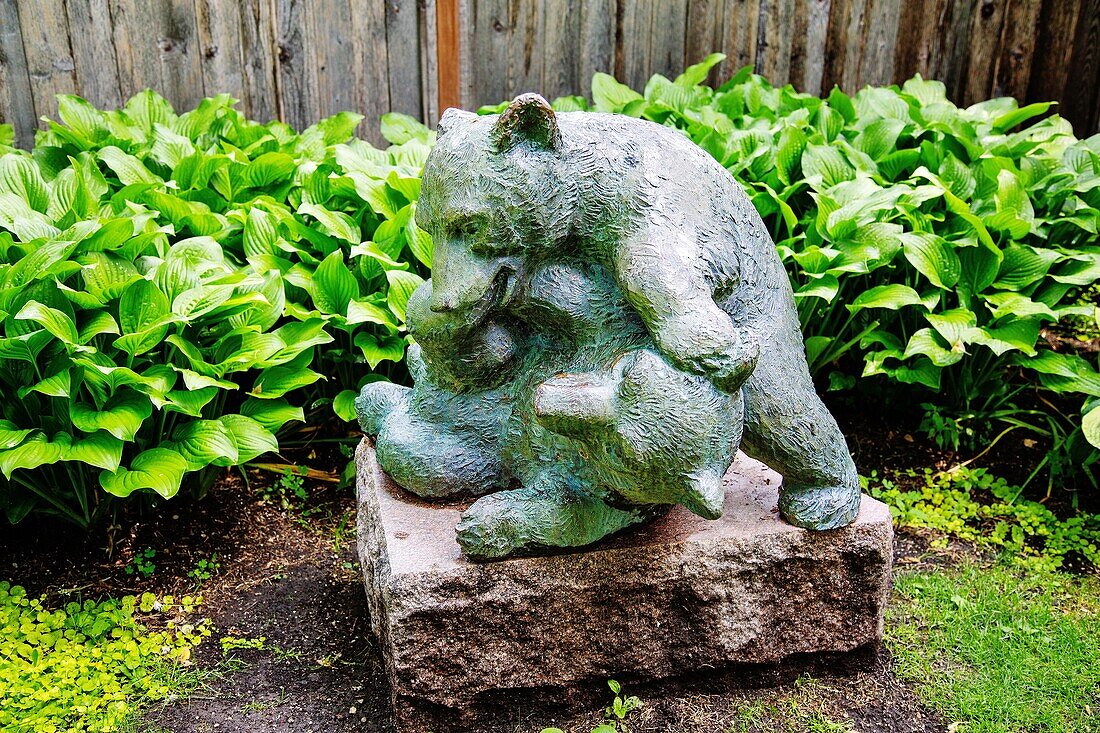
[
  {"x": 339, "y": 534},
  {"x": 205, "y": 570},
  {"x": 289, "y": 490},
  {"x": 142, "y": 563},
  {"x": 284, "y": 654},
  {"x": 257, "y": 706},
  {"x": 615, "y": 714},
  {"x": 235, "y": 643}
]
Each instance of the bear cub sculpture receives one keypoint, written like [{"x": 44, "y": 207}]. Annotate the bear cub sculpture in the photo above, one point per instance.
[{"x": 607, "y": 322}]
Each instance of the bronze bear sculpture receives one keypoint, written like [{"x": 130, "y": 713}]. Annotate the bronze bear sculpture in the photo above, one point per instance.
[{"x": 607, "y": 322}]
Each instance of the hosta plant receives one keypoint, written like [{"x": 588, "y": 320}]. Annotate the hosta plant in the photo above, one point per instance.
[{"x": 173, "y": 288}]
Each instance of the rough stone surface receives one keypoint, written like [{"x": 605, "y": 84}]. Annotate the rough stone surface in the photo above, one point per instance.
[{"x": 678, "y": 596}]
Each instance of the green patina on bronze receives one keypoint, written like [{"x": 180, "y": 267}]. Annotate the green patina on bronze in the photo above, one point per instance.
[{"x": 607, "y": 322}]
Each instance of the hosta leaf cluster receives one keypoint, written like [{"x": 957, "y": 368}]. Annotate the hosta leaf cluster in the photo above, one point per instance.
[
  {"x": 926, "y": 243},
  {"x": 174, "y": 288}
]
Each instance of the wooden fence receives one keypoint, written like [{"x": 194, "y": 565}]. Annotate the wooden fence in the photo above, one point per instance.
[{"x": 299, "y": 60}]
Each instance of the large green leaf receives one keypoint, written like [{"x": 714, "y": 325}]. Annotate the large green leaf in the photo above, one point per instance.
[
  {"x": 34, "y": 452},
  {"x": 157, "y": 469},
  {"x": 609, "y": 95},
  {"x": 101, "y": 449},
  {"x": 278, "y": 380},
  {"x": 333, "y": 223},
  {"x": 333, "y": 285},
  {"x": 890, "y": 297},
  {"x": 932, "y": 257},
  {"x": 57, "y": 323},
  {"x": 376, "y": 350},
  {"x": 399, "y": 129},
  {"x": 202, "y": 443},
  {"x": 1090, "y": 426},
  {"x": 128, "y": 168},
  {"x": 11, "y": 435},
  {"x": 927, "y": 342},
  {"x": 401, "y": 287},
  {"x": 143, "y": 314},
  {"x": 956, "y": 326},
  {"x": 270, "y": 168},
  {"x": 21, "y": 177},
  {"x": 273, "y": 413},
  {"x": 250, "y": 437},
  {"x": 122, "y": 416}
]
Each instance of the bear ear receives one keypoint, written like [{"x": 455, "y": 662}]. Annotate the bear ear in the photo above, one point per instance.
[
  {"x": 529, "y": 120},
  {"x": 451, "y": 119}
]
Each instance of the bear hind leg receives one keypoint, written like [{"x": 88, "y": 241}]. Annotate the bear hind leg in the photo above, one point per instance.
[
  {"x": 549, "y": 513},
  {"x": 788, "y": 428}
]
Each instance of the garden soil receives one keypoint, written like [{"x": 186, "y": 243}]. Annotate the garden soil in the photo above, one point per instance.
[{"x": 287, "y": 588}]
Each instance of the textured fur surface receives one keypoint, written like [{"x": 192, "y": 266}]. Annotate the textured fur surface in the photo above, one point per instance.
[{"x": 607, "y": 321}]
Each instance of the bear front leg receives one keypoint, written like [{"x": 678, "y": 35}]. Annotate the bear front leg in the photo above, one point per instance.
[
  {"x": 426, "y": 454},
  {"x": 788, "y": 427},
  {"x": 664, "y": 285},
  {"x": 549, "y": 513}
]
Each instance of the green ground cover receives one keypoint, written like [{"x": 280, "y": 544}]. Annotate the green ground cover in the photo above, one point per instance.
[{"x": 999, "y": 651}]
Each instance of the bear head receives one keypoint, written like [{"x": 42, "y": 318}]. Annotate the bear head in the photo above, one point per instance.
[
  {"x": 652, "y": 433},
  {"x": 495, "y": 195}
]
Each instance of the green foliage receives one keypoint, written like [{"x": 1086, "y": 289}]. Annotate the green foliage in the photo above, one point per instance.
[
  {"x": 927, "y": 244},
  {"x": 236, "y": 643},
  {"x": 999, "y": 652},
  {"x": 205, "y": 569},
  {"x": 288, "y": 491},
  {"x": 975, "y": 506},
  {"x": 167, "y": 282},
  {"x": 142, "y": 563},
  {"x": 88, "y": 666},
  {"x": 615, "y": 714}
]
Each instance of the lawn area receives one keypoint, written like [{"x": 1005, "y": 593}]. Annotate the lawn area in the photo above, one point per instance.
[{"x": 1000, "y": 650}]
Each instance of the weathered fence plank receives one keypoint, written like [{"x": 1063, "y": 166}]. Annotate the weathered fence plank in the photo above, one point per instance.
[
  {"x": 93, "y": 46},
  {"x": 809, "y": 34},
  {"x": 488, "y": 51},
  {"x": 299, "y": 60},
  {"x": 330, "y": 54},
  {"x": 561, "y": 70},
  {"x": 597, "y": 41},
  {"x": 259, "y": 52},
  {"x": 879, "y": 42},
  {"x": 403, "y": 57},
  {"x": 985, "y": 32},
  {"x": 49, "y": 55},
  {"x": 429, "y": 59},
  {"x": 220, "y": 43},
  {"x": 16, "y": 103},
  {"x": 773, "y": 47}
]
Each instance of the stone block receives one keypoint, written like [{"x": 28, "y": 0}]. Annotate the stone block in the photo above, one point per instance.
[{"x": 680, "y": 596}]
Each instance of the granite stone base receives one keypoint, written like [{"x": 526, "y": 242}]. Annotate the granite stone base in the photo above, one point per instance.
[{"x": 680, "y": 596}]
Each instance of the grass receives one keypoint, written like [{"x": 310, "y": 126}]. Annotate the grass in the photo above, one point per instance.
[{"x": 998, "y": 651}]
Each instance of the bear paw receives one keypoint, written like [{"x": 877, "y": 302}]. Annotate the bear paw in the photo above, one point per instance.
[
  {"x": 820, "y": 508},
  {"x": 525, "y": 520}
]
